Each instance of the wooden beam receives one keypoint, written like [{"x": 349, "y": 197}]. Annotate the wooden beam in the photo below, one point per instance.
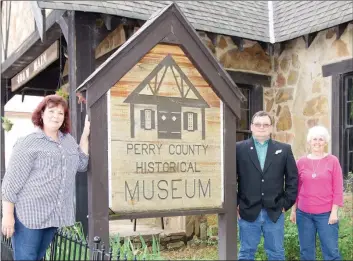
[
  {"x": 98, "y": 192},
  {"x": 337, "y": 68},
  {"x": 227, "y": 223},
  {"x": 212, "y": 37},
  {"x": 129, "y": 30},
  {"x": 239, "y": 42},
  {"x": 267, "y": 47},
  {"x": 170, "y": 213},
  {"x": 281, "y": 46},
  {"x": 309, "y": 38},
  {"x": 2, "y": 133},
  {"x": 81, "y": 38},
  {"x": 112, "y": 41},
  {"x": 171, "y": 39},
  {"x": 39, "y": 17},
  {"x": 7, "y": 18},
  {"x": 337, "y": 110},
  {"x": 250, "y": 78},
  {"x": 64, "y": 26},
  {"x": 339, "y": 30},
  {"x": 107, "y": 19}
]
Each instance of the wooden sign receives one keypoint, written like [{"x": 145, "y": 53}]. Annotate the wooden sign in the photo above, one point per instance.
[
  {"x": 44, "y": 60},
  {"x": 166, "y": 148}
]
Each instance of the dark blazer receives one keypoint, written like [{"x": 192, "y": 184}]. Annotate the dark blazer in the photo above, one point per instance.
[{"x": 274, "y": 188}]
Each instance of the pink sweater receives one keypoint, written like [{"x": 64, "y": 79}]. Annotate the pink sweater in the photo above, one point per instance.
[{"x": 317, "y": 193}]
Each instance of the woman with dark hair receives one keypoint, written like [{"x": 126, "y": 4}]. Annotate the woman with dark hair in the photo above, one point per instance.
[{"x": 39, "y": 184}]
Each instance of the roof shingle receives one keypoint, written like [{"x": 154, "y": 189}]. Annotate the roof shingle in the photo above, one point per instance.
[{"x": 247, "y": 19}]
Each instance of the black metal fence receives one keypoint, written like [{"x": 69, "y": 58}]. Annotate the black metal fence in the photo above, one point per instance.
[
  {"x": 6, "y": 249},
  {"x": 63, "y": 247},
  {"x": 66, "y": 246}
]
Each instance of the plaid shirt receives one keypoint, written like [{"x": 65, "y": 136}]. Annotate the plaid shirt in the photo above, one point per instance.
[{"x": 40, "y": 179}]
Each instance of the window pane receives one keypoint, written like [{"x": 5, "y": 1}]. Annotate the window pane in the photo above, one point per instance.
[
  {"x": 190, "y": 121},
  {"x": 148, "y": 120},
  {"x": 245, "y": 104},
  {"x": 350, "y": 162},
  {"x": 349, "y": 113},
  {"x": 350, "y": 89},
  {"x": 244, "y": 121},
  {"x": 350, "y": 139},
  {"x": 242, "y": 136}
]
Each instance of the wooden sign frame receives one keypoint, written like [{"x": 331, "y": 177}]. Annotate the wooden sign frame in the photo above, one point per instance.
[{"x": 167, "y": 26}]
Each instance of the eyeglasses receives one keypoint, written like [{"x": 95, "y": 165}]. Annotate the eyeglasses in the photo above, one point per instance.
[
  {"x": 318, "y": 139},
  {"x": 259, "y": 125}
]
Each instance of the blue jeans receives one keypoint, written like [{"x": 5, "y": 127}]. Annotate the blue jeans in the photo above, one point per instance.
[
  {"x": 250, "y": 235},
  {"x": 308, "y": 225},
  {"x": 31, "y": 244}
]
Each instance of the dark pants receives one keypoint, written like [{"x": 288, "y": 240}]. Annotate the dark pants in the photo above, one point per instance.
[
  {"x": 31, "y": 244},
  {"x": 308, "y": 225},
  {"x": 250, "y": 235}
]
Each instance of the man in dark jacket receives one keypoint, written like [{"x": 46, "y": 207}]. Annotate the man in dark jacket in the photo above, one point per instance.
[{"x": 267, "y": 187}]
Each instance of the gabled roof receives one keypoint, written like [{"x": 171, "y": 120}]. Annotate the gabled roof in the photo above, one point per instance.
[
  {"x": 168, "y": 23},
  {"x": 167, "y": 62},
  {"x": 247, "y": 19}
]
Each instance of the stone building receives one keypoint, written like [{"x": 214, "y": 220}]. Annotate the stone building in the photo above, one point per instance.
[{"x": 290, "y": 58}]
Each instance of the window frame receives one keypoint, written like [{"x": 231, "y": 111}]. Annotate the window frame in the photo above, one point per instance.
[
  {"x": 339, "y": 141},
  {"x": 143, "y": 119},
  {"x": 255, "y": 104},
  {"x": 346, "y": 127}
]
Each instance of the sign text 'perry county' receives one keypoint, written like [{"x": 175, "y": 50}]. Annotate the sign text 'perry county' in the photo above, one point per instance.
[{"x": 162, "y": 149}]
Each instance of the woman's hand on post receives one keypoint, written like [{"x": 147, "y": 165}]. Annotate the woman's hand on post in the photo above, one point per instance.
[
  {"x": 8, "y": 225},
  {"x": 86, "y": 128},
  {"x": 84, "y": 136}
]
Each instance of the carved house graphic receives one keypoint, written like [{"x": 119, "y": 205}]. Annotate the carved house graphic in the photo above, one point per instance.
[{"x": 167, "y": 100}]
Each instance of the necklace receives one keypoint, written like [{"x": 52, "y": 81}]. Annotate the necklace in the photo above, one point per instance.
[{"x": 314, "y": 170}]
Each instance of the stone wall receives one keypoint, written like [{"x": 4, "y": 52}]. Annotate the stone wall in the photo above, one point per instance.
[
  {"x": 299, "y": 97},
  {"x": 19, "y": 17}
]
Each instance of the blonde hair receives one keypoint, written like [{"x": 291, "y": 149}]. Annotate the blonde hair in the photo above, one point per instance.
[{"x": 318, "y": 131}]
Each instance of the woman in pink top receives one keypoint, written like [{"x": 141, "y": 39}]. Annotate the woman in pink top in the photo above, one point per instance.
[{"x": 320, "y": 194}]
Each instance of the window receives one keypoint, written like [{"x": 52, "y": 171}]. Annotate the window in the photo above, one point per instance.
[
  {"x": 253, "y": 104},
  {"x": 190, "y": 121},
  {"x": 147, "y": 118},
  {"x": 347, "y": 100}
]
